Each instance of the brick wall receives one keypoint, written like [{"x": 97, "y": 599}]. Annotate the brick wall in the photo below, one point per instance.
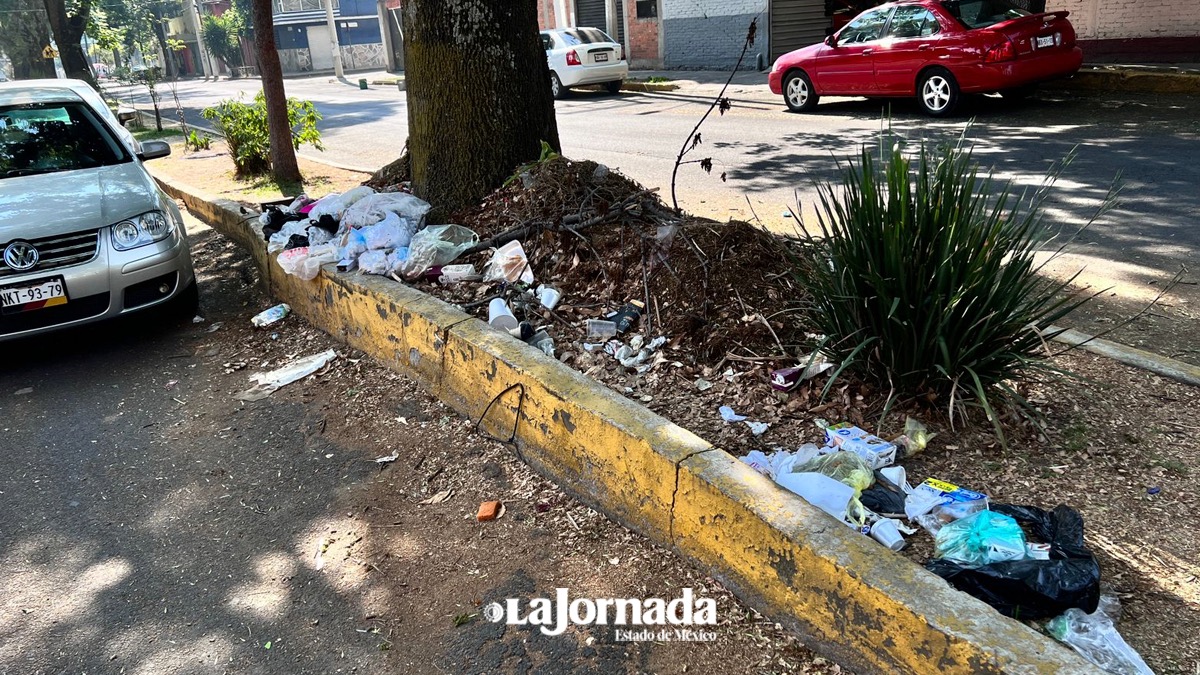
[
  {"x": 1125, "y": 19},
  {"x": 642, "y": 38},
  {"x": 709, "y": 33}
]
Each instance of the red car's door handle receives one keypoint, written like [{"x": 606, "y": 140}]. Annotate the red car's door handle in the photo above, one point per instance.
[
  {"x": 924, "y": 48},
  {"x": 867, "y": 52}
]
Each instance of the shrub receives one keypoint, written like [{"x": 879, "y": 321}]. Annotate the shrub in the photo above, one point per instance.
[
  {"x": 924, "y": 277},
  {"x": 245, "y": 128},
  {"x": 195, "y": 141}
]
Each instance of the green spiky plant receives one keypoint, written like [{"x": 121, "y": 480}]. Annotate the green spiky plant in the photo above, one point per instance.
[{"x": 924, "y": 276}]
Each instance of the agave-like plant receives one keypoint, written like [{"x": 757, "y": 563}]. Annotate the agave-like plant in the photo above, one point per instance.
[{"x": 924, "y": 276}]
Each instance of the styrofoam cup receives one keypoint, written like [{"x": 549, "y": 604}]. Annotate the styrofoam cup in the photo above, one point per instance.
[
  {"x": 500, "y": 316},
  {"x": 885, "y": 532}
]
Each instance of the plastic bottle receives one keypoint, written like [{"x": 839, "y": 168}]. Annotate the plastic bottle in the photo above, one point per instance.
[
  {"x": 270, "y": 316},
  {"x": 628, "y": 315}
]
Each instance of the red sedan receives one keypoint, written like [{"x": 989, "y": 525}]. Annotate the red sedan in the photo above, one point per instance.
[{"x": 935, "y": 50}]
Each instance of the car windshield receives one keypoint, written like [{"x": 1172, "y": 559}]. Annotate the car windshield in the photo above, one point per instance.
[
  {"x": 50, "y": 137},
  {"x": 583, "y": 36},
  {"x": 984, "y": 13}
]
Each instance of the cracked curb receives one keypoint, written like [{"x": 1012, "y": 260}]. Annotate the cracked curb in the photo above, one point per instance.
[{"x": 849, "y": 598}]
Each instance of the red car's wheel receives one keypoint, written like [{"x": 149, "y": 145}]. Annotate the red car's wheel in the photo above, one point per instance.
[
  {"x": 798, "y": 92},
  {"x": 938, "y": 93}
]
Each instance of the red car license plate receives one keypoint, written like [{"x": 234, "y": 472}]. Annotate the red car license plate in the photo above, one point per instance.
[
  {"x": 1045, "y": 41},
  {"x": 26, "y": 297}
]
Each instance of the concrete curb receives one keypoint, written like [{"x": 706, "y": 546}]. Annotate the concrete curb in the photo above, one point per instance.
[
  {"x": 850, "y": 598},
  {"x": 1130, "y": 80},
  {"x": 1131, "y": 356},
  {"x": 643, "y": 87}
]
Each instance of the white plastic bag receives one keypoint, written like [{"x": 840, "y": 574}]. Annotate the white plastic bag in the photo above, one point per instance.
[
  {"x": 830, "y": 495},
  {"x": 373, "y": 208},
  {"x": 317, "y": 236},
  {"x": 396, "y": 259},
  {"x": 373, "y": 262},
  {"x": 509, "y": 263},
  {"x": 351, "y": 196},
  {"x": 1096, "y": 638},
  {"x": 280, "y": 239},
  {"x": 318, "y": 255},
  {"x": 436, "y": 245},
  {"x": 265, "y": 384},
  {"x": 329, "y": 205},
  {"x": 391, "y": 232}
]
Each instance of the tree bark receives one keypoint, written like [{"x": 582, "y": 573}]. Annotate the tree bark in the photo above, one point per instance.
[
  {"x": 479, "y": 102},
  {"x": 283, "y": 153},
  {"x": 68, "y": 31}
]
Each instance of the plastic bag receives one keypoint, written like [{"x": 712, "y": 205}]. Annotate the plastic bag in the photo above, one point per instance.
[
  {"x": 1096, "y": 638},
  {"x": 279, "y": 240},
  {"x": 318, "y": 235},
  {"x": 509, "y": 263},
  {"x": 781, "y": 461},
  {"x": 914, "y": 439},
  {"x": 305, "y": 262},
  {"x": 391, "y": 232},
  {"x": 1034, "y": 589},
  {"x": 396, "y": 259},
  {"x": 373, "y": 262},
  {"x": 374, "y": 208},
  {"x": 884, "y": 497},
  {"x": 436, "y": 245},
  {"x": 353, "y": 245},
  {"x": 331, "y": 204},
  {"x": 831, "y": 496},
  {"x": 981, "y": 539},
  {"x": 848, "y": 469},
  {"x": 353, "y": 195},
  {"x": 265, "y": 384}
]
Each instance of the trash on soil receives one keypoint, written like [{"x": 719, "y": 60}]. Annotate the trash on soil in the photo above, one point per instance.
[
  {"x": 374, "y": 208},
  {"x": 703, "y": 384},
  {"x": 391, "y": 232},
  {"x": 758, "y": 428},
  {"x": 886, "y": 532},
  {"x": 436, "y": 245},
  {"x": 267, "y": 383},
  {"x": 305, "y": 262},
  {"x": 934, "y": 503},
  {"x": 1095, "y": 637},
  {"x": 781, "y": 461},
  {"x": 1034, "y": 589},
  {"x": 628, "y": 315},
  {"x": 828, "y": 494},
  {"x": 896, "y": 475},
  {"x": 438, "y": 498},
  {"x": 884, "y": 497},
  {"x": 197, "y": 319},
  {"x": 270, "y": 316},
  {"x": 786, "y": 379},
  {"x": 509, "y": 263},
  {"x": 455, "y": 273},
  {"x": 489, "y": 511},
  {"x": 728, "y": 415},
  {"x": 982, "y": 538},
  {"x": 388, "y": 459},
  {"x": 875, "y": 451},
  {"x": 500, "y": 316},
  {"x": 549, "y": 297},
  {"x": 913, "y": 440},
  {"x": 847, "y": 468},
  {"x": 600, "y": 330}
]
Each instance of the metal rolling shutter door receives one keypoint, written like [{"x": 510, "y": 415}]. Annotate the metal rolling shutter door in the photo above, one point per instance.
[{"x": 796, "y": 24}]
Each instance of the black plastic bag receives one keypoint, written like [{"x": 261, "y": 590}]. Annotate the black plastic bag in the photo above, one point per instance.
[
  {"x": 883, "y": 498},
  {"x": 1034, "y": 589}
]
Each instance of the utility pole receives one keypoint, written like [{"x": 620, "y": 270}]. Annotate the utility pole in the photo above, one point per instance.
[{"x": 333, "y": 41}]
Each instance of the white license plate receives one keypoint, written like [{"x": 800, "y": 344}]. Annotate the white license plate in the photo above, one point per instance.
[
  {"x": 600, "y": 57},
  {"x": 1047, "y": 41},
  {"x": 45, "y": 294}
]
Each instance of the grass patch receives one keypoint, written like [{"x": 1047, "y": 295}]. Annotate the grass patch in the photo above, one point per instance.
[
  {"x": 656, "y": 79},
  {"x": 155, "y": 134}
]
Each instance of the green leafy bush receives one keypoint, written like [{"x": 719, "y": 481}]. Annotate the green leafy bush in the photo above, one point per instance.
[
  {"x": 244, "y": 126},
  {"x": 221, "y": 36},
  {"x": 925, "y": 277},
  {"x": 195, "y": 141}
]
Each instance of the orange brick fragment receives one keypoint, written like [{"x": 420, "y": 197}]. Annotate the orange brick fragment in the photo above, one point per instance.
[{"x": 488, "y": 511}]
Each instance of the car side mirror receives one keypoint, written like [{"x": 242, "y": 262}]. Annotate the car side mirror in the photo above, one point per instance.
[
  {"x": 154, "y": 150},
  {"x": 832, "y": 41}
]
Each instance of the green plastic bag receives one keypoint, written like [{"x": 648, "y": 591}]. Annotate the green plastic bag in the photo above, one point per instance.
[
  {"x": 980, "y": 539},
  {"x": 847, "y": 468}
]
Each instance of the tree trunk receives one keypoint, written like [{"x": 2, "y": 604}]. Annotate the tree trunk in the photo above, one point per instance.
[
  {"x": 283, "y": 152},
  {"x": 479, "y": 102},
  {"x": 160, "y": 35},
  {"x": 68, "y": 31}
]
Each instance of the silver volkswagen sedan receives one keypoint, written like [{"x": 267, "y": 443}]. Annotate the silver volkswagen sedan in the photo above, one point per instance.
[{"x": 85, "y": 233}]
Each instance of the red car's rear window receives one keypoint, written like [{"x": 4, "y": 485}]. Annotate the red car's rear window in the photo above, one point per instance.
[{"x": 984, "y": 13}]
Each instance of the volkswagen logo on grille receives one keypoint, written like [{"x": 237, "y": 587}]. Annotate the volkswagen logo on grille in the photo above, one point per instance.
[{"x": 20, "y": 256}]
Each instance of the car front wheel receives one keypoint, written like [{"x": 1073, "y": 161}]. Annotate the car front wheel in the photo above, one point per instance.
[
  {"x": 557, "y": 90},
  {"x": 938, "y": 93},
  {"x": 798, "y": 92}
]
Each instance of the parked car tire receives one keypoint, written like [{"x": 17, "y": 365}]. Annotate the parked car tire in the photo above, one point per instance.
[
  {"x": 938, "y": 93},
  {"x": 186, "y": 303},
  {"x": 798, "y": 92},
  {"x": 614, "y": 87},
  {"x": 557, "y": 90}
]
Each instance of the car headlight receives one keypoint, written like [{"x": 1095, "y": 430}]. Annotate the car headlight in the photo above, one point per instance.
[{"x": 141, "y": 230}]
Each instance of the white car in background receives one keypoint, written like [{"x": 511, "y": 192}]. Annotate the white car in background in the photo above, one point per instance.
[{"x": 581, "y": 56}]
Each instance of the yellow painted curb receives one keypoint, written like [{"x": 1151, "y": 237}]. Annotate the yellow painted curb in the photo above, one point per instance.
[{"x": 850, "y": 598}]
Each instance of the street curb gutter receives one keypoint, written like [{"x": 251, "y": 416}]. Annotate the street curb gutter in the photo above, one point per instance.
[
  {"x": 851, "y": 599},
  {"x": 1130, "y": 80},
  {"x": 1162, "y": 365}
]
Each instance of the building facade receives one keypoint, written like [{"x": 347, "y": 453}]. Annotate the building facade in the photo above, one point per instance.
[
  {"x": 302, "y": 35},
  {"x": 633, "y": 23}
]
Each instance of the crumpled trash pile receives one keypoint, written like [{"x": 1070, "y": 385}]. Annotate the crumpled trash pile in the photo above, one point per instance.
[{"x": 1024, "y": 561}]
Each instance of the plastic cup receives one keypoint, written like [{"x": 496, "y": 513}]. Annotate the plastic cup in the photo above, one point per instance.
[
  {"x": 549, "y": 297},
  {"x": 885, "y": 532},
  {"x": 598, "y": 329},
  {"x": 500, "y": 316}
]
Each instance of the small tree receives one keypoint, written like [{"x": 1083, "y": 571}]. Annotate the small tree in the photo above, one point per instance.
[
  {"x": 246, "y": 129},
  {"x": 222, "y": 36}
]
